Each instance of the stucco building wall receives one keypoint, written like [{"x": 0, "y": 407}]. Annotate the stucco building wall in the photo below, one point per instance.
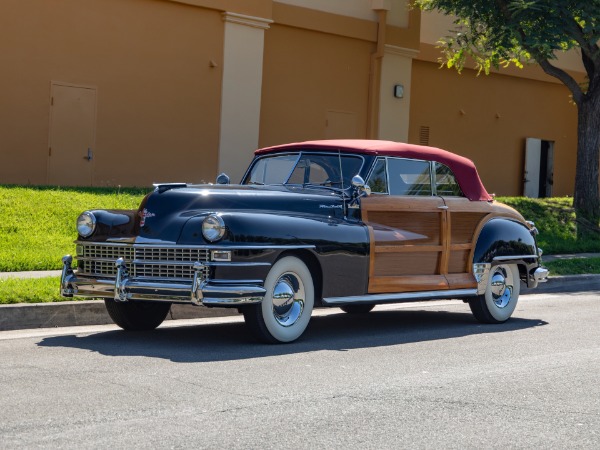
[
  {"x": 488, "y": 118},
  {"x": 149, "y": 62},
  {"x": 185, "y": 89}
]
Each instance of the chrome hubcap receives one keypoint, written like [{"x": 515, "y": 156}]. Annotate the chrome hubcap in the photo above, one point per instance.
[
  {"x": 501, "y": 287},
  {"x": 288, "y": 299}
]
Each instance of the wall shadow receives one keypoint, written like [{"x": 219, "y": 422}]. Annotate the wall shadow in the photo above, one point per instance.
[{"x": 337, "y": 332}]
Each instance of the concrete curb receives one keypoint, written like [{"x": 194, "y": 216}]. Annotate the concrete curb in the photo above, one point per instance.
[
  {"x": 22, "y": 316},
  {"x": 566, "y": 283},
  {"x": 92, "y": 312}
]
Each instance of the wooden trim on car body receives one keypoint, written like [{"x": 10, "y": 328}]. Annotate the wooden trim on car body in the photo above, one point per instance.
[{"x": 420, "y": 258}]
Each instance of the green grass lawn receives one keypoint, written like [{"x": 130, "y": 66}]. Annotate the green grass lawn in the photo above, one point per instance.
[
  {"x": 37, "y": 224},
  {"x": 577, "y": 266},
  {"x": 30, "y": 290},
  {"x": 37, "y": 227},
  {"x": 555, "y": 219}
]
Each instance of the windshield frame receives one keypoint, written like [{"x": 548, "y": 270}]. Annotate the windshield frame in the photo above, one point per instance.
[{"x": 300, "y": 153}]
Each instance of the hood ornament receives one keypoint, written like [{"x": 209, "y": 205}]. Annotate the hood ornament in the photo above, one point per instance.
[{"x": 144, "y": 214}]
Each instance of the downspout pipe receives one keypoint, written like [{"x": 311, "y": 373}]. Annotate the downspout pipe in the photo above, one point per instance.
[{"x": 381, "y": 7}]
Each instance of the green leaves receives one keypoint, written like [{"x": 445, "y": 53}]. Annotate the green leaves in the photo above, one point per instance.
[{"x": 495, "y": 33}]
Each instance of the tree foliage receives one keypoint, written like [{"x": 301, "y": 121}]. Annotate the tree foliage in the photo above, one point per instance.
[{"x": 496, "y": 33}]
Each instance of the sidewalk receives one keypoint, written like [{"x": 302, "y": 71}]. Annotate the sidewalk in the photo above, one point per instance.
[
  {"x": 31, "y": 274},
  {"x": 549, "y": 258},
  {"x": 93, "y": 312}
]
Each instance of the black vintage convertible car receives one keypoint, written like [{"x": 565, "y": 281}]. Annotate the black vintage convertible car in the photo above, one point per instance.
[{"x": 304, "y": 229}]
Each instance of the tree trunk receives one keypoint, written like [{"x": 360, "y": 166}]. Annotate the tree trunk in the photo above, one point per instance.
[{"x": 586, "y": 199}]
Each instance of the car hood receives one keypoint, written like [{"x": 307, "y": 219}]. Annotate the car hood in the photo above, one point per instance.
[{"x": 163, "y": 213}]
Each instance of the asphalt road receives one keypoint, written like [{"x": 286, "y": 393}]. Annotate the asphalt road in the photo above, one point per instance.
[{"x": 413, "y": 376}]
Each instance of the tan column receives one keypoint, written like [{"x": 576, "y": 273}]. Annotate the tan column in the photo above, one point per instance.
[
  {"x": 394, "y": 111},
  {"x": 241, "y": 91}
]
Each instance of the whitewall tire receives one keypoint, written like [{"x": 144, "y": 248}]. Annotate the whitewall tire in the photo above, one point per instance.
[
  {"x": 287, "y": 306},
  {"x": 501, "y": 295}
]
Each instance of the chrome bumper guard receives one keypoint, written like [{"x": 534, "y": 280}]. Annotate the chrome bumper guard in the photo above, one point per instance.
[
  {"x": 123, "y": 288},
  {"x": 537, "y": 276}
]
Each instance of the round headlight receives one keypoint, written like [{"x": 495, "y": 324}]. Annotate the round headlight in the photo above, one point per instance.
[
  {"x": 86, "y": 224},
  {"x": 213, "y": 228}
]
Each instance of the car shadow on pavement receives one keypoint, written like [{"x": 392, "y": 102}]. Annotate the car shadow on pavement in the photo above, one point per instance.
[{"x": 335, "y": 332}]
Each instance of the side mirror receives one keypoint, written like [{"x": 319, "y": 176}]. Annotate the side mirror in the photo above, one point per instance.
[
  {"x": 223, "y": 179},
  {"x": 359, "y": 184}
]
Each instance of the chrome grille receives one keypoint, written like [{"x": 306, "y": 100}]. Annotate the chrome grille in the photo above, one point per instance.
[
  {"x": 107, "y": 252},
  {"x": 142, "y": 261}
]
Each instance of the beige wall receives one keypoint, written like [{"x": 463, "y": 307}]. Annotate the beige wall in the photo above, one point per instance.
[
  {"x": 157, "y": 97},
  {"x": 241, "y": 92},
  {"x": 487, "y": 119},
  {"x": 308, "y": 74},
  {"x": 166, "y": 110}
]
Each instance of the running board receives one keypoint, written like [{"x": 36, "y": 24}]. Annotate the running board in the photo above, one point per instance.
[{"x": 401, "y": 297}]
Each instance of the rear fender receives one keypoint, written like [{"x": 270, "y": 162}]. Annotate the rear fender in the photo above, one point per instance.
[{"x": 505, "y": 241}]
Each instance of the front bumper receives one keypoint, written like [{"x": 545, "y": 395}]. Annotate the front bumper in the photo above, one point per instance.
[{"x": 199, "y": 291}]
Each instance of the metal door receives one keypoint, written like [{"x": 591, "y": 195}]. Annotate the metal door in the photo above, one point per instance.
[
  {"x": 72, "y": 135},
  {"x": 533, "y": 152},
  {"x": 539, "y": 168}
]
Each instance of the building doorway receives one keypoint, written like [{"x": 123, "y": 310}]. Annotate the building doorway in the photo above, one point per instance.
[
  {"x": 72, "y": 135},
  {"x": 539, "y": 168}
]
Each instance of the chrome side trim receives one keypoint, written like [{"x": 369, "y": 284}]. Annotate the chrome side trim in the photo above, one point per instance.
[
  {"x": 201, "y": 247},
  {"x": 127, "y": 240},
  {"x": 187, "y": 263},
  {"x": 509, "y": 258},
  {"x": 399, "y": 297},
  {"x": 236, "y": 264}
]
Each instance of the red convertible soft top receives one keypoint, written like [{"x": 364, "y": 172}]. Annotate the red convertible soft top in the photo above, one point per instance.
[{"x": 463, "y": 168}]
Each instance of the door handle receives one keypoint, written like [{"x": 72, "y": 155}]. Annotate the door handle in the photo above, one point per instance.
[
  {"x": 90, "y": 155},
  {"x": 442, "y": 207}
]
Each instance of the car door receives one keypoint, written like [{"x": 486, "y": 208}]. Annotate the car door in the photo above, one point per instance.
[
  {"x": 464, "y": 219},
  {"x": 407, "y": 228}
]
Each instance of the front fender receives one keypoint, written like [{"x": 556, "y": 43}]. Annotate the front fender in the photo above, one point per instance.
[
  {"x": 114, "y": 224},
  {"x": 341, "y": 248}
]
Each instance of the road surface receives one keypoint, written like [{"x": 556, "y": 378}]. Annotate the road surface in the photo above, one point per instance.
[{"x": 404, "y": 376}]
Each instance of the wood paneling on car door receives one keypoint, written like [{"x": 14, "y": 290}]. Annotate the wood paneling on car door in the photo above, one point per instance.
[
  {"x": 423, "y": 243},
  {"x": 465, "y": 219},
  {"x": 407, "y": 242}
]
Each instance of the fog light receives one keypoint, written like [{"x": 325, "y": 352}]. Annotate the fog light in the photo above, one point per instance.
[{"x": 220, "y": 255}]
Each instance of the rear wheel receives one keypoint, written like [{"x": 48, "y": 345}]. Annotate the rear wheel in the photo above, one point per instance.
[
  {"x": 357, "y": 309},
  {"x": 499, "y": 301},
  {"x": 287, "y": 306},
  {"x": 137, "y": 316}
]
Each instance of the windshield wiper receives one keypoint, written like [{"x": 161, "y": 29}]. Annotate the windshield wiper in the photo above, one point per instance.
[{"x": 326, "y": 185}]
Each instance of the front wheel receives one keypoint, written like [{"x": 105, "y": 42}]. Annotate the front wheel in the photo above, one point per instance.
[
  {"x": 499, "y": 301},
  {"x": 287, "y": 306},
  {"x": 137, "y": 316}
]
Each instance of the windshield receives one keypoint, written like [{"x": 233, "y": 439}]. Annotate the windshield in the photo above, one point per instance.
[{"x": 305, "y": 169}]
